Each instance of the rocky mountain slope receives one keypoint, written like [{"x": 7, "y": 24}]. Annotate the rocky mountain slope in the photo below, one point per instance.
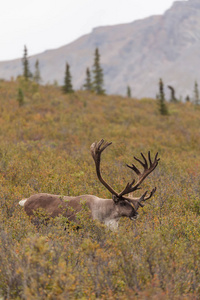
[{"x": 135, "y": 54}]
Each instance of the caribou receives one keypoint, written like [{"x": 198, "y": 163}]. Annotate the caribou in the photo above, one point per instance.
[{"x": 107, "y": 211}]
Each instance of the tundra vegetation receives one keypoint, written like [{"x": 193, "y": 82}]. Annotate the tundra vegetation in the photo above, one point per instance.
[{"x": 44, "y": 147}]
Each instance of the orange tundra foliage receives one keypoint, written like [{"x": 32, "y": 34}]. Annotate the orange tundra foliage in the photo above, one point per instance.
[{"x": 44, "y": 147}]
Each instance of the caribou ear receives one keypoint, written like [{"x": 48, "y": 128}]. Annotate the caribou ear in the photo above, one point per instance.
[{"x": 115, "y": 198}]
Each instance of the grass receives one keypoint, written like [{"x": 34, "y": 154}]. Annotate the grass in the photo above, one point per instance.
[{"x": 44, "y": 147}]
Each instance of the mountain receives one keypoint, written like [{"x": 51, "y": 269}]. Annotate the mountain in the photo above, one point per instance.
[{"x": 136, "y": 54}]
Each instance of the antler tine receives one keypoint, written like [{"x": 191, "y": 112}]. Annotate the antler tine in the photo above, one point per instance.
[
  {"x": 145, "y": 164},
  {"x": 151, "y": 194},
  {"x": 100, "y": 143},
  {"x": 133, "y": 167},
  {"x": 144, "y": 198},
  {"x": 156, "y": 159},
  {"x": 149, "y": 157},
  {"x": 96, "y": 149}
]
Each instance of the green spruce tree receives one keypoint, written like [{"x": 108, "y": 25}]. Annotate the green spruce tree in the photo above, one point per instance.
[
  {"x": 67, "y": 88},
  {"x": 88, "y": 82},
  {"x": 187, "y": 99},
  {"x": 98, "y": 81},
  {"x": 37, "y": 76},
  {"x": 128, "y": 92},
  {"x": 161, "y": 99},
  {"x": 196, "y": 93},
  {"x": 26, "y": 70}
]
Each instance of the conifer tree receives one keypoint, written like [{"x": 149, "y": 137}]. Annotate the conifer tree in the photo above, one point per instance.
[
  {"x": 36, "y": 76},
  {"x": 88, "y": 82},
  {"x": 67, "y": 88},
  {"x": 128, "y": 91},
  {"x": 161, "y": 99},
  {"x": 187, "y": 99},
  {"x": 26, "y": 70},
  {"x": 196, "y": 93},
  {"x": 98, "y": 81}
]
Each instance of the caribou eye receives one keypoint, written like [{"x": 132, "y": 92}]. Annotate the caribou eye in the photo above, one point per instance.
[{"x": 122, "y": 203}]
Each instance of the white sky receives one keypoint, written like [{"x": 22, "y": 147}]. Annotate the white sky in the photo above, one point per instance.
[{"x": 49, "y": 24}]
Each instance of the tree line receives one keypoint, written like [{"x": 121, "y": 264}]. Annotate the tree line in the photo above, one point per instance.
[{"x": 93, "y": 84}]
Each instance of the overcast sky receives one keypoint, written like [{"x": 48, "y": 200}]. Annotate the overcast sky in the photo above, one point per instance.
[{"x": 49, "y": 24}]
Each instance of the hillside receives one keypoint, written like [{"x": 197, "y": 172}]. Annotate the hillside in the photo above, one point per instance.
[
  {"x": 44, "y": 147},
  {"x": 135, "y": 54}
]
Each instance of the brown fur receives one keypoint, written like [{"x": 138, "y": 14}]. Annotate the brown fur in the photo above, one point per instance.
[{"x": 104, "y": 210}]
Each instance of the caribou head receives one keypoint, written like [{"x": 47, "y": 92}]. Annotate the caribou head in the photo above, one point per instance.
[{"x": 107, "y": 211}]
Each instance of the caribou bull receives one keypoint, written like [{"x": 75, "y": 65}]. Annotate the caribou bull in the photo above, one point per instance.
[{"x": 107, "y": 211}]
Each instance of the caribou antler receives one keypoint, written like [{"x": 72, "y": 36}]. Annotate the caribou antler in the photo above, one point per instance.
[{"x": 98, "y": 148}]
